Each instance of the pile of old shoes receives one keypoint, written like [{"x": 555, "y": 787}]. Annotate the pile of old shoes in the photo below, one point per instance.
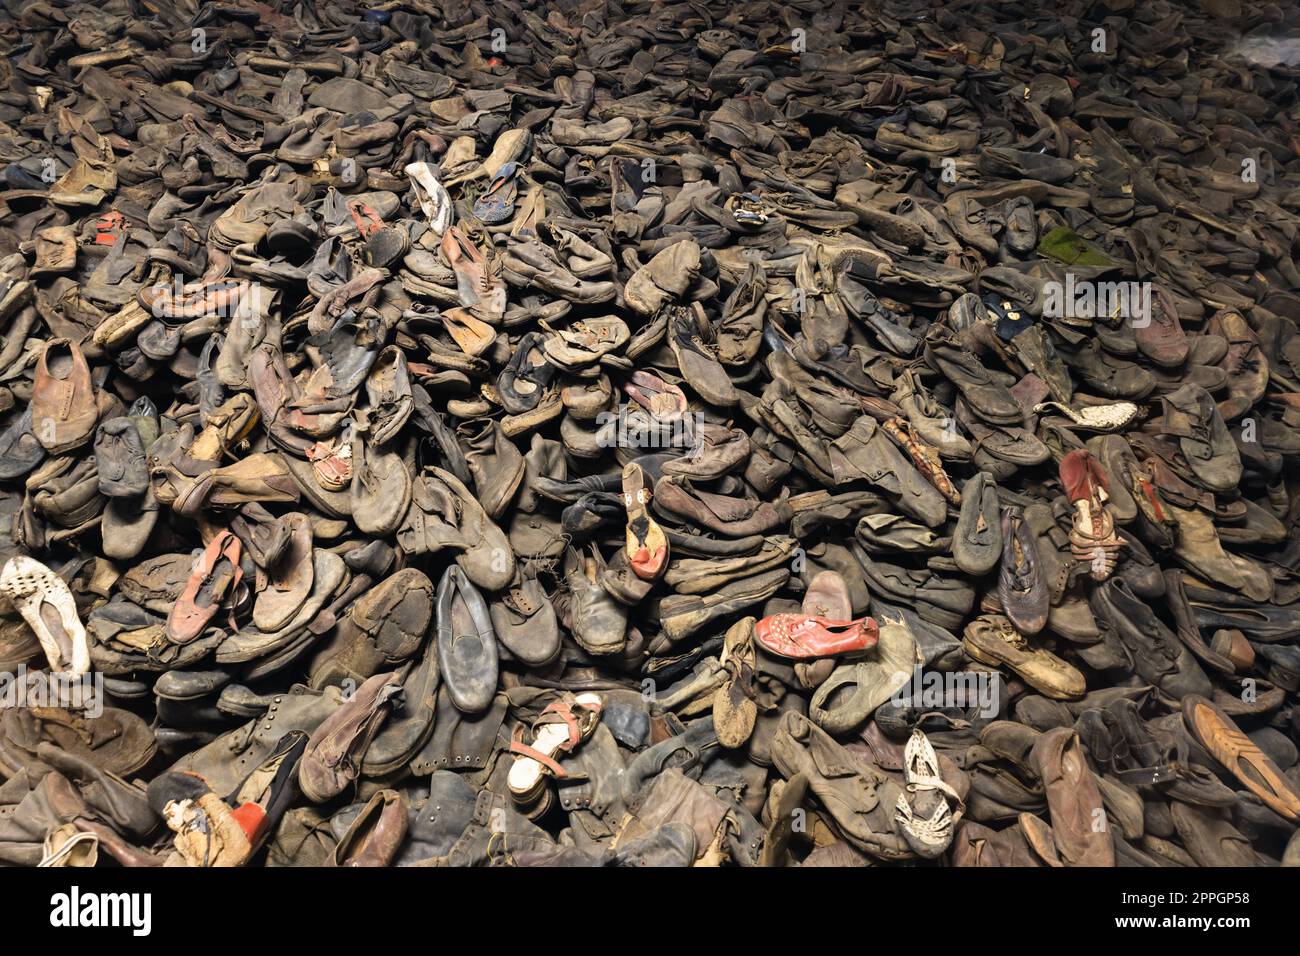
[{"x": 629, "y": 437}]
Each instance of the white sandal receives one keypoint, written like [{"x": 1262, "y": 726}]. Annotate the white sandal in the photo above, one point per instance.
[
  {"x": 46, "y": 604},
  {"x": 927, "y": 837},
  {"x": 562, "y": 726},
  {"x": 432, "y": 195}
]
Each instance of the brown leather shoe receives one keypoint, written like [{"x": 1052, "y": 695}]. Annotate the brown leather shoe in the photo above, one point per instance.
[
  {"x": 733, "y": 517},
  {"x": 64, "y": 410},
  {"x": 377, "y": 833},
  {"x": 991, "y": 639},
  {"x": 260, "y": 477},
  {"x": 1079, "y": 825},
  {"x": 1162, "y": 338},
  {"x": 334, "y": 753}
]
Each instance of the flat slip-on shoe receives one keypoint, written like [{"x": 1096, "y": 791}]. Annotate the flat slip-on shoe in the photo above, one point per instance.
[
  {"x": 467, "y": 645},
  {"x": 1021, "y": 588},
  {"x": 977, "y": 541},
  {"x": 329, "y": 576},
  {"x": 337, "y": 747},
  {"x": 854, "y": 691},
  {"x": 290, "y": 580},
  {"x": 376, "y": 835},
  {"x": 1073, "y": 800}
]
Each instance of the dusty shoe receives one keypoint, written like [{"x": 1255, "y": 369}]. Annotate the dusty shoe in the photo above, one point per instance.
[
  {"x": 376, "y": 834},
  {"x": 432, "y": 197},
  {"x": 924, "y": 457},
  {"x": 1073, "y": 800},
  {"x": 584, "y": 342},
  {"x": 854, "y": 691},
  {"x": 977, "y": 542},
  {"x": 290, "y": 579},
  {"x": 215, "y": 577},
  {"x": 381, "y": 630},
  {"x": 598, "y": 622},
  {"x": 524, "y": 620},
  {"x": 665, "y": 278},
  {"x": 334, "y": 753},
  {"x": 1192, "y": 418},
  {"x": 381, "y": 488},
  {"x": 860, "y": 798},
  {"x": 64, "y": 409},
  {"x": 120, "y": 458},
  {"x": 684, "y": 615},
  {"x": 467, "y": 646},
  {"x": 1021, "y": 588},
  {"x": 207, "y": 832},
  {"x": 690, "y": 336},
  {"x": 992, "y": 639},
  {"x": 734, "y": 705}
]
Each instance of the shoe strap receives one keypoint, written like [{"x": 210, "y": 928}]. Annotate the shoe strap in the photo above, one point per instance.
[{"x": 517, "y": 746}]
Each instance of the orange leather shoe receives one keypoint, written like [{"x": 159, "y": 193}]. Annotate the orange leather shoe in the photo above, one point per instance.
[{"x": 1220, "y": 735}]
